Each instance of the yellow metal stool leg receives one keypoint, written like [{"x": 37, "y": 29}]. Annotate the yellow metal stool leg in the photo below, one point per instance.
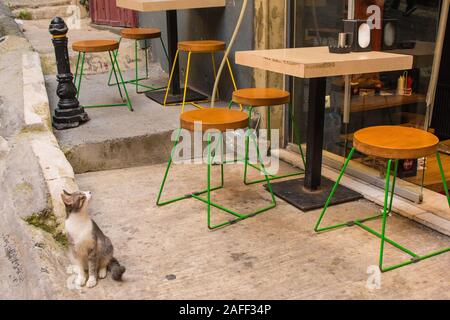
[
  {"x": 171, "y": 77},
  {"x": 186, "y": 81},
  {"x": 233, "y": 79}
]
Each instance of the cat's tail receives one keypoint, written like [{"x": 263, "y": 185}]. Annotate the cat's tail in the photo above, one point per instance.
[{"x": 116, "y": 269}]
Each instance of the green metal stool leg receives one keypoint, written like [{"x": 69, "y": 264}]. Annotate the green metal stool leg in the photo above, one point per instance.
[
  {"x": 137, "y": 80},
  {"x": 247, "y": 163},
  {"x": 238, "y": 216},
  {"x": 317, "y": 228},
  {"x": 80, "y": 77},
  {"x": 394, "y": 180},
  {"x": 169, "y": 165},
  {"x": 385, "y": 213},
  {"x": 128, "y": 101},
  {"x": 76, "y": 70},
  {"x": 444, "y": 180},
  {"x": 208, "y": 177},
  {"x": 113, "y": 69},
  {"x": 116, "y": 53},
  {"x": 387, "y": 207},
  {"x": 136, "y": 66},
  {"x": 119, "y": 82}
]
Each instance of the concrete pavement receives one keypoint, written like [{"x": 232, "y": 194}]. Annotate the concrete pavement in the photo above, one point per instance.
[{"x": 275, "y": 255}]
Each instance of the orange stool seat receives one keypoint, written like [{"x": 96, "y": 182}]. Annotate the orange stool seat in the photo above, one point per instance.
[
  {"x": 141, "y": 33},
  {"x": 201, "y": 46},
  {"x": 215, "y": 119},
  {"x": 95, "y": 45},
  {"x": 395, "y": 142},
  {"x": 259, "y": 97}
]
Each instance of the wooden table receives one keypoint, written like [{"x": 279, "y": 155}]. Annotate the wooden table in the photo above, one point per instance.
[
  {"x": 317, "y": 64},
  {"x": 171, "y": 7}
]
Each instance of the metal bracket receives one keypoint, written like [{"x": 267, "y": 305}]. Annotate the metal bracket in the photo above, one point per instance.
[
  {"x": 416, "y": 259},
  {"x": 351, "y": 223}
]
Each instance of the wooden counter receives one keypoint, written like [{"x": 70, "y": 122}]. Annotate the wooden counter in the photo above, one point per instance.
[{"x": 317, "y": 62}]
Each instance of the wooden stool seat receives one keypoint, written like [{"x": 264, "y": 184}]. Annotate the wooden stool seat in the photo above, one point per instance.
[
  {"x": 141, "y": 33},
  {"x": 218, "y": 119},
  {"x": 395, "y": 142},
  {"x": 95, "y": 45},
  {"x": 260, "y": 97},
  {"x": 202, "y": 46}
]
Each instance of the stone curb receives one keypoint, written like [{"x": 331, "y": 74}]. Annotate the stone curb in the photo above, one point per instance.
[
  {"x": 57, "y": 171},
  {"x": 36, "y": 106}
]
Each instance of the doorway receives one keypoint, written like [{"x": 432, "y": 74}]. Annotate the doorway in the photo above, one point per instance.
[{"x": 106, "y": 12}]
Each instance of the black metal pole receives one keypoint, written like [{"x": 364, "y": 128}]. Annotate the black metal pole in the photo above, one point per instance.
[
  {"x": 172, "y": 35},
  {"x": 69, "y": 113},
  {"x": 316, "y": 122}
]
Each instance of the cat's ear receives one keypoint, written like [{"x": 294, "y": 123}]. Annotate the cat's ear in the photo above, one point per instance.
[
  {"x": 66, "y": 198},
  {"x": 79, "y": 202}
]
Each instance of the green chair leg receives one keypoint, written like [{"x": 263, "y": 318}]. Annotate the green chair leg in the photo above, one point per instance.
[
  {"x": 209, "y": 189},
  {"x": 77, "y": 78},
  {"x": 187, "y": 196},
  {"x": 387, "y": 208},
  {"x": 115, "y": 69},
  {"x": 444, "y": 180},
  {"x": 247, "y": 151},
  {"x": 137, "y": 80},
  {"x": 238, "y": 216}
]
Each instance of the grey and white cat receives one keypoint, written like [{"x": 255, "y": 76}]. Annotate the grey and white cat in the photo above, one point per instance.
[{"x": 89, "y": 248}]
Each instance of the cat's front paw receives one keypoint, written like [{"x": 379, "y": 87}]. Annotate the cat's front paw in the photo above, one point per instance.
[
  {"x": 92, "y": 282},
  {"x": 102, "y": 273},
  {"x": 81, "y": 281}
]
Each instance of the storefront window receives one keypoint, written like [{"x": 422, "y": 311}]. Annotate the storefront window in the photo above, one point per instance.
[{"x": 393, "y": 98}]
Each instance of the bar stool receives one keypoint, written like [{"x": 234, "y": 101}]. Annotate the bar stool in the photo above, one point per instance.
[
  {"x": 199, "y": 46},
  {"x": 110, "y": 46},
  {"x": 140, "y": 34},
  {"x": 266, "y": 97},
  {"x": 392, "y": 143},
  {"x": 218, "y": 120}
]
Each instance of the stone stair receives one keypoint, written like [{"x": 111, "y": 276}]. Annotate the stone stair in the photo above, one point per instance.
[
  {"x": 36, "y": 32},
  {"x": 36, "y": 10}
]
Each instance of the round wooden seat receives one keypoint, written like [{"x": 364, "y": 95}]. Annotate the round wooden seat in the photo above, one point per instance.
[
  {"x": 141, "y": 33},
  {"x": 95, "y": 45},
  {"x": 218, "y": 119},
  {"x": 395, "y": 142},
  {"x": 259, "y": 97},
  {"x": 202, "y": 46}
]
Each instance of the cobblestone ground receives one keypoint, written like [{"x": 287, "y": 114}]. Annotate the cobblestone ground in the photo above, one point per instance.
[{"x": 170, "y": 254}]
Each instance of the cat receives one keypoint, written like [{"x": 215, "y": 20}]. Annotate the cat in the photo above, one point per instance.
[{"x": 89, "y": 248}]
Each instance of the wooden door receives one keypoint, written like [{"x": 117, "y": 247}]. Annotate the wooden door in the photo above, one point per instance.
[{"x": 106, "y": 12}]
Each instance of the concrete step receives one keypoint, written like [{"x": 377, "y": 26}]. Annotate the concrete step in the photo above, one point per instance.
[
  {"x": 48, "y": 12},
  {"x": 116, "y": 138},
  {"x": 95, "y": 63},
  {"x": 36, "y": 32},
  {"x": 18, "y": 4}
]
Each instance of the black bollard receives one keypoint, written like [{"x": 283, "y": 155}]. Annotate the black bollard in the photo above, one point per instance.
[{"x": 69, "y": 113}]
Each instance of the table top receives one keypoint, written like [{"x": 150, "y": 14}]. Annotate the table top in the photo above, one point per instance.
[
  {"x": 316, "y": 62},
  {"x": 164, "y": 5}
]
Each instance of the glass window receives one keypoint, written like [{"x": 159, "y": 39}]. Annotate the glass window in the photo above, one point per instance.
[{"x": 393, "y": 98}]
